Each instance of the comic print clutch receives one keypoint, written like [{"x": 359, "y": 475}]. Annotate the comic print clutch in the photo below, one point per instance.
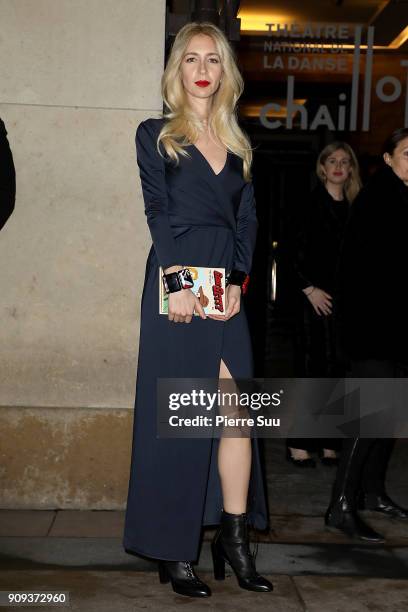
[{"x": 209, "y": 287}]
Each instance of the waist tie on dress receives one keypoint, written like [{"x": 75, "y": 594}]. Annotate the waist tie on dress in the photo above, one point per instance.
[{"x": 179, "y": 230}]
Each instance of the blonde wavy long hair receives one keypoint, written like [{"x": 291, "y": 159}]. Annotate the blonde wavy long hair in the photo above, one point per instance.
[
  {"x": 182, "y": 126},
  {"x": 353, "y": 184}
]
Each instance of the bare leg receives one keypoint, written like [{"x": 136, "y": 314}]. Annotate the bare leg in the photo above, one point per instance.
[{"x": 234, "y": 466}]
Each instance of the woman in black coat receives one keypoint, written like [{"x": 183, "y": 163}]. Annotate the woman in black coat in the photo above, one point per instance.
[
  {"x": 7, "y": 177},
  {"x": 374, "y": 312},
  {"x": 194, "y": 167},
  {"x": 317, "y": 237}
]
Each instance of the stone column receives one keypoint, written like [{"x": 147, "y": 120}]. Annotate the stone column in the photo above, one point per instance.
[{"x": 78, "y": 78}]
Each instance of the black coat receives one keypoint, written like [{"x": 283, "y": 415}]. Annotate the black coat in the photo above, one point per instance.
[
  {"x": 7, "y": 177},
  {"x": 373, "y": 271},
  {"x": 317, "y": 234}
]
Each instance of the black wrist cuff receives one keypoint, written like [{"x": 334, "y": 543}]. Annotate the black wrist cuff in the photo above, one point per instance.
[
  {"x": 175, "y": 281},
  {"x": 237, "y": 277}
]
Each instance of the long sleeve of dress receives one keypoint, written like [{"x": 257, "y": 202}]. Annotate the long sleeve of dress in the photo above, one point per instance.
[
  {"x": 247, "y": 227},
  {"x": 7, "y": 178},
  {"x": 152, "y": 176}
]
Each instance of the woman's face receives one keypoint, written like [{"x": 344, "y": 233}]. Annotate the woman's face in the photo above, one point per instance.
[
  {"x": 201, "y": 67},
  {"x": 399, "y": 160},
  {"x": 337, "y": 167}
]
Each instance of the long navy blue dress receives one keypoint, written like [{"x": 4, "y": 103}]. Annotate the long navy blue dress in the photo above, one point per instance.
[{"x": 196, "y": 217}]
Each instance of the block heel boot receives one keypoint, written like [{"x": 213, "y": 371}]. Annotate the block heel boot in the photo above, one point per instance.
[
  {"x": 231, "y": 544},
  {"x": 183, "y": 579}
]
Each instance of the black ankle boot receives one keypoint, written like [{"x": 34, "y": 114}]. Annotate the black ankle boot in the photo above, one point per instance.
[
  {"x": 342, "y": 513},
  {"x": 381, "y": 503},
  {"x": 342, "y": 516},
  {"x": 231, "y": 544},
  {"x": 183, "y": 579}
]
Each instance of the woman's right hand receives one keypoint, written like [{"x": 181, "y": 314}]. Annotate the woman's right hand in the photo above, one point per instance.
[
  {"x": 319, "y": 299},
  {"x": 182, "y": 305}
]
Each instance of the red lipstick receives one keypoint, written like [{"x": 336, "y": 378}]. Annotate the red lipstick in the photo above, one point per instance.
[{"x": 202, "y": 83}]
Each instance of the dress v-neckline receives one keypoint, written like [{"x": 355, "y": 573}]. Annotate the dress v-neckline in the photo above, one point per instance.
[{"x": 208, "y": 163}]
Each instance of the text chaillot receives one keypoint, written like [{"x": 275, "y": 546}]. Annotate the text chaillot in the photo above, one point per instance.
[{"x": 387, "y": 88}]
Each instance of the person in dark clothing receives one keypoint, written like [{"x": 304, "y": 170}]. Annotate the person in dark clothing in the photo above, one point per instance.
[
  {"x": 194, "y": 164},
  {"x": 375, "y": 330},
  {"x": 7, "y": 178},
  {"x": 315, "y": 254}
]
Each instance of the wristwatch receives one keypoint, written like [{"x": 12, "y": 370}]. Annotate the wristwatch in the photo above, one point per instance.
[{"x": 175, "y": 281}]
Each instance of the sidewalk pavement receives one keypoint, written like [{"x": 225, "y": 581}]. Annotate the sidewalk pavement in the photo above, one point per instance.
[{"x": 312, "y": 570}]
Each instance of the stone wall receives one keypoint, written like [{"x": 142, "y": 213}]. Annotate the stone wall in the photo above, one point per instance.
[{"x": 80, "y": 76}]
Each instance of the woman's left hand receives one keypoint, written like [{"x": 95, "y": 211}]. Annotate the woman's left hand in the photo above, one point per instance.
[{"x": 232, "y": 303}]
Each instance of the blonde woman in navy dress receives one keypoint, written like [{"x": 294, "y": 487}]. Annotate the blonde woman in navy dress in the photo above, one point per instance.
[{"x": 194, "y": 165}]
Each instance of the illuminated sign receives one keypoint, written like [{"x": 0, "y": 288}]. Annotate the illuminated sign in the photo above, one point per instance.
[{"x": 295, "y": 52}]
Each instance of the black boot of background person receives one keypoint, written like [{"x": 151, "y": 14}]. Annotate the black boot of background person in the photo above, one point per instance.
[
  {"x": 231, "y": 544},
  {"x": 183, "y": 579},
  {"x": 383, "y": 504},
  {"x": 372, "y": 495},
  {"x": 342, "y": 513}
]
